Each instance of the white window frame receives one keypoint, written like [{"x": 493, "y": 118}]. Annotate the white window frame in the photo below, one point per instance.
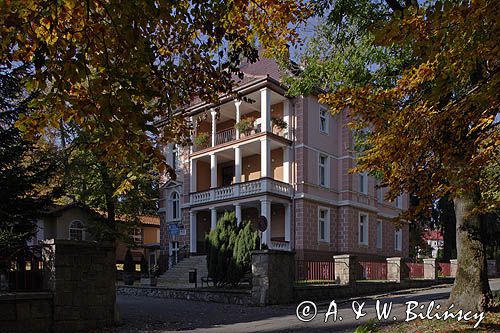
[
  {"x": 80, "y": 229},
  {"x": 323, "y": 114},
  {"x": 326, "y": 168},
  {"x": 175, "y": 157},
  {"x": 398, "y": 202},
  {"x": 363, "y": 183},
  {"x": 398, "y": 239},
  {"x": 172, "y": 209},
  {"x": 380, "y": 232},
  {"x": 326, "y": 222},
  {"x": 365, "y": 229}
]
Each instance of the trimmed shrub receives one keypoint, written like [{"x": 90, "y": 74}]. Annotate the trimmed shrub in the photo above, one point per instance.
[
  {"x": 228, "y": 250},
  {"x": 128, "y": 262}
]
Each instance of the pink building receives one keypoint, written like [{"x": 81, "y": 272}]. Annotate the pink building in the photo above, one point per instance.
[{"x": 295, "y": 176}]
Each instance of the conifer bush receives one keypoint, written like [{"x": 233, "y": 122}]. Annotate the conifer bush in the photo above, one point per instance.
[{"x": 228, "y": 250}]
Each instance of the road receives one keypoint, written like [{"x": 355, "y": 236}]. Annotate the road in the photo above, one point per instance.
[{"x": 145, "y": 314}]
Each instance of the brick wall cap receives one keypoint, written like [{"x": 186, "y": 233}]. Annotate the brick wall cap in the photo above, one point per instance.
[
  {"x": 429, "y": 259},
  {"x": 344, "y": 256},
  {"x": 259, "y": 252},
  {"x": 394, "y": 259}
]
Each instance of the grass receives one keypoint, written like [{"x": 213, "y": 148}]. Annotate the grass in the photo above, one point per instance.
[{"x": 490, "y": 323}]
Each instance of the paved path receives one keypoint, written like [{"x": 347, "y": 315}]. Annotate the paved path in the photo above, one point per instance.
[{"x": 145, "y": 314}]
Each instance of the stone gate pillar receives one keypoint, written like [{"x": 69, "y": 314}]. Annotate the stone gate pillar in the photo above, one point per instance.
[
  {"x": 430, "y": 269},
  {"x": 82, "y": 277},
  {"x": 345, "y": 268},
  {"x": 396, "y": 269},
  {"x": 273, "y": 276}
]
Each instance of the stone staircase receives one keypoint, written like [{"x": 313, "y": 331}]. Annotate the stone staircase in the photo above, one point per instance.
[{"x": 178, "y": 276}]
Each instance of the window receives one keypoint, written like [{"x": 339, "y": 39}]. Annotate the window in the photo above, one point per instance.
[
  {"x": 379, "y": 234},
  {"x": 175, "y": 206},
  {"x": 398, "y": 240},
  {"x": 323, "y": 170},
  {"x": 363, "y": 229},
  {"x": 398, "y": 202},
  {"x": 323, "y": 120},
  {"x": 323, "y": 225},
  {"x": 76, "y": 230},
  {"x": 363, "y": 183},
  {"x": 175, "y": 157},
  {"x": 137, "y": 235}
]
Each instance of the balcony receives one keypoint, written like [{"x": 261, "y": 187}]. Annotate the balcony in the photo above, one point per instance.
[
  {"x": 259, "y": 112},
  {"x": 260, "y": 186}
]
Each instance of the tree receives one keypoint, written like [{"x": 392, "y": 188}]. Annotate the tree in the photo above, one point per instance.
[
  {"x": 228, "y": 250},
  {"x": 25, "y": 168},
  {"x": 116, "y": 68},
  {"x": 434, "y": 131}
]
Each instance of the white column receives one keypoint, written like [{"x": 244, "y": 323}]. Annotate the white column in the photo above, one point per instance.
[
  {"x": 214, "y": 126},
  {"x": 237, "y": 209},
  {"x": 192, "y": 176},
  {"x": 237, "y": 164},
  {"x": 265, "y": 110},
  {"x": 265, "y": 210},
  {"x": 192, "y": 232},
  {"x": 169, "y": 155},
  {"x": 237, "y": 104},
  {"x": 287, "y": 118},
  {"x": 193, "y": 134},
  {"x": 213, "y": 218},
  {"x": 213, "y": 170},
  {"x": 265, "y": 158},
  {"x": 288, "y": 221},
  {"x": 286, "y": 165}
]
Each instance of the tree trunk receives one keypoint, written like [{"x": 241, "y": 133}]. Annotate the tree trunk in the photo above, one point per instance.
[
  {"x": 449, "y": 226},
  {"x": 471, "y": 291}
]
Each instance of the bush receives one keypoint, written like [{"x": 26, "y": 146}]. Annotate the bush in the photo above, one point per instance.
[
  {"x": 128, "y": 263},
  {"x": 144, "y": 266},
  {"x": 228, "y": 250}
]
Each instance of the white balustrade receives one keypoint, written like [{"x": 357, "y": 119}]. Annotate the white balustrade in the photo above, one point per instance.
[
  {"x": 225, "y": 136},
  {"x": 244, "y": 189},
  {"x": 280, "y": 245}
]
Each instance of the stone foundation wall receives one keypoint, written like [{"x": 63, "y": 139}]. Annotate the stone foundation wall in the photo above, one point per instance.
[
  {"x": 360, "y": 288},
  {"x": 26, "y": 312},
  {"x": 206, "y": 295}
]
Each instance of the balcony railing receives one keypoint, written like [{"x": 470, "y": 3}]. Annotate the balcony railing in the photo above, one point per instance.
[
  {"x": 262, "y": 185},
  {"x": 280, "y": 245},
  {"x": 225, "y": 136},
  {"x": 229, "y": 135}
]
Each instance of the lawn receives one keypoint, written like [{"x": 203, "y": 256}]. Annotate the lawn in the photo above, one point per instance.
[{"x": 490, "y": 323}]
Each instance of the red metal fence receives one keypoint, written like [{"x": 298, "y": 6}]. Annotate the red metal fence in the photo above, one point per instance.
[
  {"x": 310, "y": 271},
  {"x": 373, "y": 270},
  {"x": 416, "y": 270},
  {"x": 444, "y": 269}
]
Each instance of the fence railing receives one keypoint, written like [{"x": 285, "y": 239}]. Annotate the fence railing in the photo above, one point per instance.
[
  {"x": 314, "y": 271},
  {"x": 444, "y": 269},
  {"x": 23, "y": 269},
  {"x": 373, "y": 270},
  {"x": 416, "y": 270}
]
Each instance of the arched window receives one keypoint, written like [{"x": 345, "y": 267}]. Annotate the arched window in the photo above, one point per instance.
[
  {"x": 175, "y": 206},
  {"x": 76, "y": 230}
]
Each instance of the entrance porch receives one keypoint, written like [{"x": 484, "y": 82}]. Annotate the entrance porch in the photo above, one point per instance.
[{"x": 276, "y": 211}]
